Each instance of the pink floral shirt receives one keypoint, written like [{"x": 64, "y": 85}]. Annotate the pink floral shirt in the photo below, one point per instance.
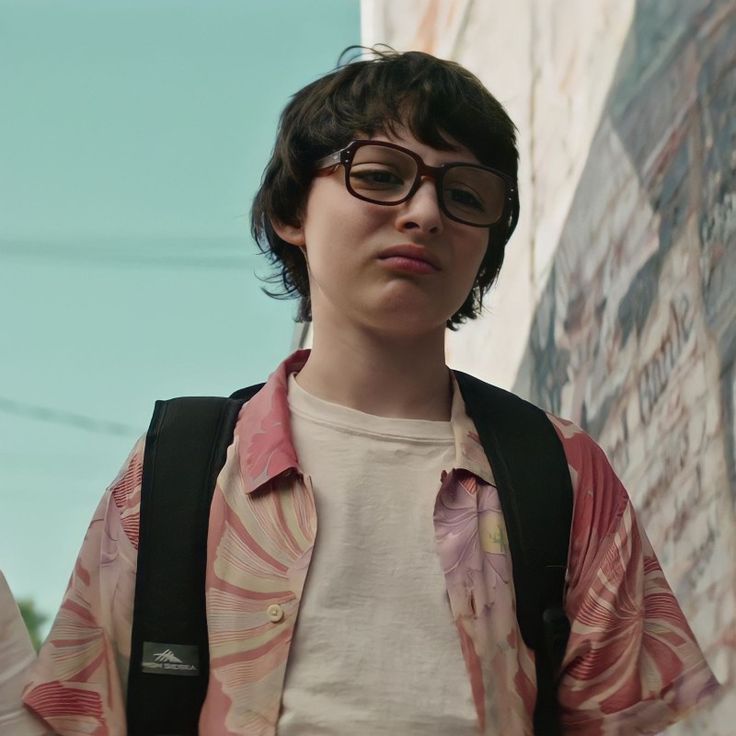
[{"x": 632, "y": 664}]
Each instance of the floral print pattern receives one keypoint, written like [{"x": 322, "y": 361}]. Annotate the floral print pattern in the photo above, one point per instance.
[{"x": 631, "y": 666}]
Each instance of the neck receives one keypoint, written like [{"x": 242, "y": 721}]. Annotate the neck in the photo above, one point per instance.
[{"x": 400, "y": 377}]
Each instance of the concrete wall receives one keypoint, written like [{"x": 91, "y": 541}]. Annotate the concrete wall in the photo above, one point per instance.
[{"x": 617, "y": 304}]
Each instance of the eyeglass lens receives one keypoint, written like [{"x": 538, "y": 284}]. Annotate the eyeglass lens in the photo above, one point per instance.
[{"x": 470, "y": 194}]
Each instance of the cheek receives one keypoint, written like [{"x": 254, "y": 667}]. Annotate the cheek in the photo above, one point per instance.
[
  {"x": 347, "y": 229},
  {"x": 473, "y": 255}
]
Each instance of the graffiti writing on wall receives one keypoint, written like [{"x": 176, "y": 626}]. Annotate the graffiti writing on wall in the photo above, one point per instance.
[
  {"x": 634, "y": 336},
  {"x": 655, "y": 374}
]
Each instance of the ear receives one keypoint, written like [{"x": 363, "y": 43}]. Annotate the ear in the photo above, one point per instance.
[{"x": 293, "y": 234}]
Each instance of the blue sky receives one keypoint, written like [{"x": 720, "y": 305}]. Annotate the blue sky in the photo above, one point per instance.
[{"x": 132, "y": 139}]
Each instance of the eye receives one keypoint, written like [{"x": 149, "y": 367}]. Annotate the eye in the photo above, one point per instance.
[
  {"x": 464, "y": 198},
  {"x": 375, "y": 177}
]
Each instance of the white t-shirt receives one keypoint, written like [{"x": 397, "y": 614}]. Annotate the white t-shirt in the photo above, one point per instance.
[{"x": 375, "y": 650}]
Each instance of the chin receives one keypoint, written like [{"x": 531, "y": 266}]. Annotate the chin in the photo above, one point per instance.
[{"x": 401, "y": 324}]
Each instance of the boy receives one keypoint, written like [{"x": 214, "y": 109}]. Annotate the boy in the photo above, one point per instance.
[{"x": 355, "y": 492}]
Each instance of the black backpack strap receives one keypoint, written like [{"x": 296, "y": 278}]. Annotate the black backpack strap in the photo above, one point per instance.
[
  {"x": 169, "y": 664},
  {"x": 535, "y": 489}
]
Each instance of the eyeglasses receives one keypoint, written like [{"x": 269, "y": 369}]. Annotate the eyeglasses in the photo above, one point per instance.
[{"x": 385, "y": 173}]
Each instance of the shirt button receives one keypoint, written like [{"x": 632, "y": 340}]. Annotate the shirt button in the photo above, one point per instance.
[{"x": 275, "y": 613}]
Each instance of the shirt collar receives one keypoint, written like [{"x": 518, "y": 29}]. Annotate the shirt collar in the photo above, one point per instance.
[{"x": 263, "y": 431}]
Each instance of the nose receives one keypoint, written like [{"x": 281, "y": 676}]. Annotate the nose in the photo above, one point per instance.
[{"x": 421, "y": 213}]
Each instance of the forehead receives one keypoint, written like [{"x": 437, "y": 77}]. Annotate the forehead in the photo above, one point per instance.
[{"x": 429, "y": 154}]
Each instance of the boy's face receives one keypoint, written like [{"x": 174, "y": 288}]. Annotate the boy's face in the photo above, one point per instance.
[{"x": 352, "y": 282}]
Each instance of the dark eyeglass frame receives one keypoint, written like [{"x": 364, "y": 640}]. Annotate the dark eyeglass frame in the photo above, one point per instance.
[{"x": 344, "y": 157}]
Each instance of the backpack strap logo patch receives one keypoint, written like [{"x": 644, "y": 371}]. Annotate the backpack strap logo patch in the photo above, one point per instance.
[{"x": 170, "y": 659}]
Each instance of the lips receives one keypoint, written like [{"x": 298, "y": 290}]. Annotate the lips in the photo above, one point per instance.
[{"x": 412, "y": 251}]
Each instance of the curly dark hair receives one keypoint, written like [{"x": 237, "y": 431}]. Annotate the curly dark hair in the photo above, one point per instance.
[{"x": 436, "y": 100}]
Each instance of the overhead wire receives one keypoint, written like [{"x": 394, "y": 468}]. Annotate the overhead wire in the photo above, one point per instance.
[
  {"x": 212, "y": 256},
  {"x": 67, "y": 418}
]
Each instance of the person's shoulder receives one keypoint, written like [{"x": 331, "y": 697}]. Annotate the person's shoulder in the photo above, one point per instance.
[
  {"x": 124, "y": 493},
  {"x": 599, "y": 497},
  {"x": 584, "y": 455},
  {"x": 571, "y": 434}
]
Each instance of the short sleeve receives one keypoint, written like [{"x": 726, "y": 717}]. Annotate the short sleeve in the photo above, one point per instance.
[
  {"x": 77, "y": 683},
  {"x": 632, "y": 664}
]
